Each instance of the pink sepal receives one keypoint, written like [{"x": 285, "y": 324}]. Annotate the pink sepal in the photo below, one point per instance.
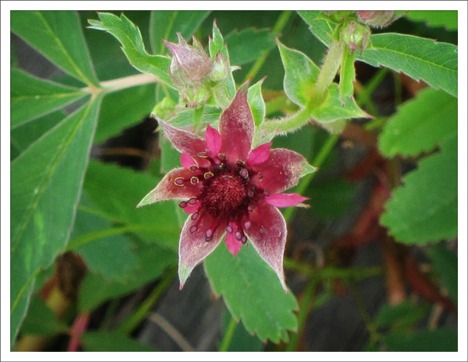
[
  {"x": 260, "y": 154},
  {"x": 284, "y": 200}
]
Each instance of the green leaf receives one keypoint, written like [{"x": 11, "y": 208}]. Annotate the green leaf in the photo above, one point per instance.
[
  {"x": 347, "y": 75},
  {"x": 256, "y": 103},
  {"x": 111, "y": 256},
  {"x": 446, "y": 265},
  {"x": 249, "y": 44},
  {"x": 116, "y": 192},
  {"x": 241, "y": 340},
  {"x": 446, "y": 18},
  {"x": 151, "y": 262},
  {"x": 400, "y": 316},
  {"x": 166, "y": 24},
  {"x": 419, "y": 124},
  {"x": 41, "y": 320},
  {"x": 124, "y": 109},
  {"x": 23, "y": 136},
  {"x": 46, "y": 180},
  {"x": 331, "y": 109},
  {"x": 300, "y": 75},
  {"x": 132, "y": 45},
  {"x": 421, "y": 59},
  {"x": 32, "y": 97},
  {"x": 112, "y": 342},
  {"x": 59, "y": 37},
  {"x": 425, "y": 208},
  {"x": 216, "y": 44},
  {"x": 252, "y": 292},
  {"x": 440, "y": 340},
  {"x": 211, "y": 115}
]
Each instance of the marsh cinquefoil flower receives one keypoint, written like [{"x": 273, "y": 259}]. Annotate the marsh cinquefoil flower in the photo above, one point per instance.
[{"x": 230, "y": 189}]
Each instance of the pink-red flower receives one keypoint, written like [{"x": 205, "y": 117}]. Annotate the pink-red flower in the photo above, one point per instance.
[{"x": 228, "y": 188}]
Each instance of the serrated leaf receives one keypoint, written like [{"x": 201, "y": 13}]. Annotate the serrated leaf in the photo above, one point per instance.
[
  {"x": 124, "y": 109},
  {"x": 166, "y": 24},
  {"x": 46, "y": 181},
  {"x": 32, "y": 97},
  {"x": 419, "y": 124},
  {"x": 59, "y": 37},
  {"x": 116, "y": 192},
  {"x": 424, "y": 209},
  {"x": 331, "y": 109},
  {"x": 132, "y": 45},
  {"x": 446, "y": 265},
  {"x": 249, "y": 44},
  {"x": 447, "y": 18},
  {"x": 300, "y": 75},
  {"x": 41, "y": 320},
  {"x": 241, "y": 340},
  {"x": 439, "y": 340},
  {"x": 420, "y": 58},
  {"x": 152, "y": 259},
  {"x": 256, "y": 103},
  {"x": 252, "y": 292},
  {"x": 112, "y": 342},
  {"x": 211, "y": 115}
]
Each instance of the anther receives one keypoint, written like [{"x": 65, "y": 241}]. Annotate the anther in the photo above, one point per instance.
[
  {"x": 244, "y": 173},
  {"x": 222, "y": 157},
  {"x": 209, "y": 235},
  {"x": 249, "y": 208},
  {"x": 247, "y": 225},
  {"x": 192, "y": 201},
  {"x": 183, "y": 204},
  {"x": 202, "y": 154},
  {"x": 208, "y": 175},
  {"x": 194, "y": 180},
  {"x": 250, "y": 193},
  {"x": 179, "y": 181},
  {"x": 193, "y": 168},
  {"x": 229, "y": 229},
  {"x": 194, "y": 216},
  {"x": 193, "y": 228},
  {"x": 238, "y": 235},
  {"x": 260, "y": 176},
  {"x": 244, "y": 239},
  {"x": 240, "y": 162}
]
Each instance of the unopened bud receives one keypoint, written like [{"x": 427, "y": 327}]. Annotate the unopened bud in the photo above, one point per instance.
[
  {"x": 355, "y": 35},
  {"x": 220, "y": 68},
  {"x": 378, "y": 18}
]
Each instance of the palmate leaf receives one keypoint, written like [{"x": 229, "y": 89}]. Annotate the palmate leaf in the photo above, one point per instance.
[
  {"x": 132, "y": 45},
  {"x": 420, "y": 124},
  {"x": 252, "y": 292},
  {"x": 420, "y": 58},
  {"x": 32, "y": 97},
  {"x": 424, "y": 209},
  {"x": 59, "y": 37},
  {"x": 46, "y": 181},
  {"x": 166, "y": 24}
]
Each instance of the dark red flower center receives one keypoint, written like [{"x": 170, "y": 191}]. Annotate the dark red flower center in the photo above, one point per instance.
[{"x": 225, "y": 196}]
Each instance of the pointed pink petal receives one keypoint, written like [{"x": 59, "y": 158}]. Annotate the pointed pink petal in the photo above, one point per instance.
[
  {"x": 236, "y": 127},
  {"x": 193, "y": 247},
  {"x": 167, "y": 189},
  {"x": 285, "y": 200},
  {"x": 267, "y": 234},
  {"x": 260, "y": 154},
  {"x": 183, "y": 141},
  {"x": 232, "y": 243},
  {"x": 281, "y": 171},
  {"x": 187, "y": 161},
  {"x": 213, "y": 140}
]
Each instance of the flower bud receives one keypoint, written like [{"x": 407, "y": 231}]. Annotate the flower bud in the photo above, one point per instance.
[
  {"x": 355, "y": 35},
  {"x": 220, "y": 68},
  {"x": 190, "y": 64},
  {"x": 378, "y": 18}
]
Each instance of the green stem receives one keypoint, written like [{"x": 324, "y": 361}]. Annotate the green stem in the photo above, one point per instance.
[
  {"x": 329, "y": 69},
  {"x": 277, "y": 29},
  {"x": 228, "y": 335}
]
